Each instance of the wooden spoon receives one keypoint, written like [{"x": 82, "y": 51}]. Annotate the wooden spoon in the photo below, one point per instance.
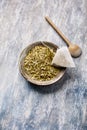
[{"x": 74, "y": 49}]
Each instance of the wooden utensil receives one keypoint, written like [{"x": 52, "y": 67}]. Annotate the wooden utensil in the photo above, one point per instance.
[{"x": 74, "y": 49}]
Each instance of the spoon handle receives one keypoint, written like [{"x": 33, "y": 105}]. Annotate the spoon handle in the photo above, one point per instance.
[{"x": 58, "y": 31}]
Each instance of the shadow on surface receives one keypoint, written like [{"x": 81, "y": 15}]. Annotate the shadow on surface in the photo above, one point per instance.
[{"x": 51, "y": 88}]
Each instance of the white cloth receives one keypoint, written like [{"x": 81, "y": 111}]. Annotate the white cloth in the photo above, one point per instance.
[{"x": 63, "y": 58}]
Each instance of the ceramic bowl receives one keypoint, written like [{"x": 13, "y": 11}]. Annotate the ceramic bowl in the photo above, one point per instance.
[{"x": 27, "y": 77}]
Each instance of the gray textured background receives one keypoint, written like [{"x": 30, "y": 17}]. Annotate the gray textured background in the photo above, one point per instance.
[{"x": 24, "y": 106}]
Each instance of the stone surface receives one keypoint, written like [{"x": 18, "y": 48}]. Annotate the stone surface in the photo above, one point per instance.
[{"x": 24, "y": 106}]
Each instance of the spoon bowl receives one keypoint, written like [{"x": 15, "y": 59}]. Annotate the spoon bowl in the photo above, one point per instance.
[{"x": 75, "y": 50}]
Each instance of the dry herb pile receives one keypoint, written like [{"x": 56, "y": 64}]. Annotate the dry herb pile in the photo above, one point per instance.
[{"x": 37, "y": 63}]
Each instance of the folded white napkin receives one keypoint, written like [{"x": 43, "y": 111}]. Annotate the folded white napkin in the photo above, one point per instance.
[{"x": 63, "y": 58}]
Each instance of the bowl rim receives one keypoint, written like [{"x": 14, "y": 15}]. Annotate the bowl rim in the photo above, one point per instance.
[{"x": 37, "y": 82}]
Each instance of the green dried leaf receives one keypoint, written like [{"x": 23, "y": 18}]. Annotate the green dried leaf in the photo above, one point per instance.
[{"x": 37, "y": 63}]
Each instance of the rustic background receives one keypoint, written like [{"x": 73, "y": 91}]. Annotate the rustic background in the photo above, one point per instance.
[{"x": 24, "y": 106}]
